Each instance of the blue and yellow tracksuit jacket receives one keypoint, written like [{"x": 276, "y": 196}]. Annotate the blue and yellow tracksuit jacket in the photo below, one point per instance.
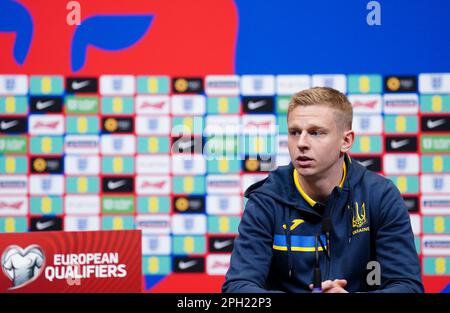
[{"x": 275, "y": 249}]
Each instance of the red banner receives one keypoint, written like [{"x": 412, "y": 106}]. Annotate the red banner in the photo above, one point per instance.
[{"x": 96, "y": 261}]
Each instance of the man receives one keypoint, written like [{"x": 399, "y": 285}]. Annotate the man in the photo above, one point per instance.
[{"x": 323, "y": 190}]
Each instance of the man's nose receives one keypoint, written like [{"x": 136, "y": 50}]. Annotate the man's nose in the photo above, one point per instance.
[{"x": 303, "y": 142}]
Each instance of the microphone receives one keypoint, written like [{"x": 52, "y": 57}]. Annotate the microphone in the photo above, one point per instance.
[
  {"x": 327, "y": 228},
  {"x": 317, "y": 275}
]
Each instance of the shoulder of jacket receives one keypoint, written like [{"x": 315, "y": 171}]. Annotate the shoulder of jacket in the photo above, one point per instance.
[
  {"x": 263, "y": 203},
  {"x": 374, "y": 181}
]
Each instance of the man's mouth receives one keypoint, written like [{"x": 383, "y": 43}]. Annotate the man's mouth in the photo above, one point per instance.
[
  {"x": 303, "y": 158},
  {"x": 304, "y": 161}
]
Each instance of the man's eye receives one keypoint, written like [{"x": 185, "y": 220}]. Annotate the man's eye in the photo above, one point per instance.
[
  {"x": 315, "y": 133},
  {"x": 294, "y": 133}
]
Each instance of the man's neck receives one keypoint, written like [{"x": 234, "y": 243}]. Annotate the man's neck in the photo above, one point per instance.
[{"x": 320, "y": 188}]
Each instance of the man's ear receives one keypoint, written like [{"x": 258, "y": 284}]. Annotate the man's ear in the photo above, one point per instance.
[{"x": 347, "y": 140}]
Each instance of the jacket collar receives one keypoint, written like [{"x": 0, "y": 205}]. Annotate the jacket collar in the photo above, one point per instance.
[{"x": 304, "y": 195}]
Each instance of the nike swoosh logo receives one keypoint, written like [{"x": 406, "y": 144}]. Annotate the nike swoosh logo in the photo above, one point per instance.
[
  {"x": 43, "y": 105},
  {"x": 44, "y": 225},
  {"x": 398, "y": 144},
  {"x": 5, "y": 125},
  {"x": 117, "y": 184},
  {"x": 433, "y": 124},
  {"x": 366, "y": 163},
  {"x": 184, "y": 265},
  {"x": 253, "y": 105},
  {"x": 222, "y": 244},
  {"x": 78, "y": 85},
  {"x": 184, "y": 145}
]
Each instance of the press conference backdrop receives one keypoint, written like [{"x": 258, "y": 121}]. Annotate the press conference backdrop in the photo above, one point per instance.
[{"x": 157, "y": 115}]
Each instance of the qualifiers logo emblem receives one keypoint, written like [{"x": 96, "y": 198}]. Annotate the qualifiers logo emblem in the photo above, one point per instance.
[{"x": 22, "y": 266}]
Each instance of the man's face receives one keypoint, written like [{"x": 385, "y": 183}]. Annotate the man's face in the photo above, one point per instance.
[{"x": 315, "y": 139}]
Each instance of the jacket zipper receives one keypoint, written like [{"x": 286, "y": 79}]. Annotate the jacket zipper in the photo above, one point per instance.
[
  {"x": 328, "y": 267},
  {"x": 328, "y": 261}
]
